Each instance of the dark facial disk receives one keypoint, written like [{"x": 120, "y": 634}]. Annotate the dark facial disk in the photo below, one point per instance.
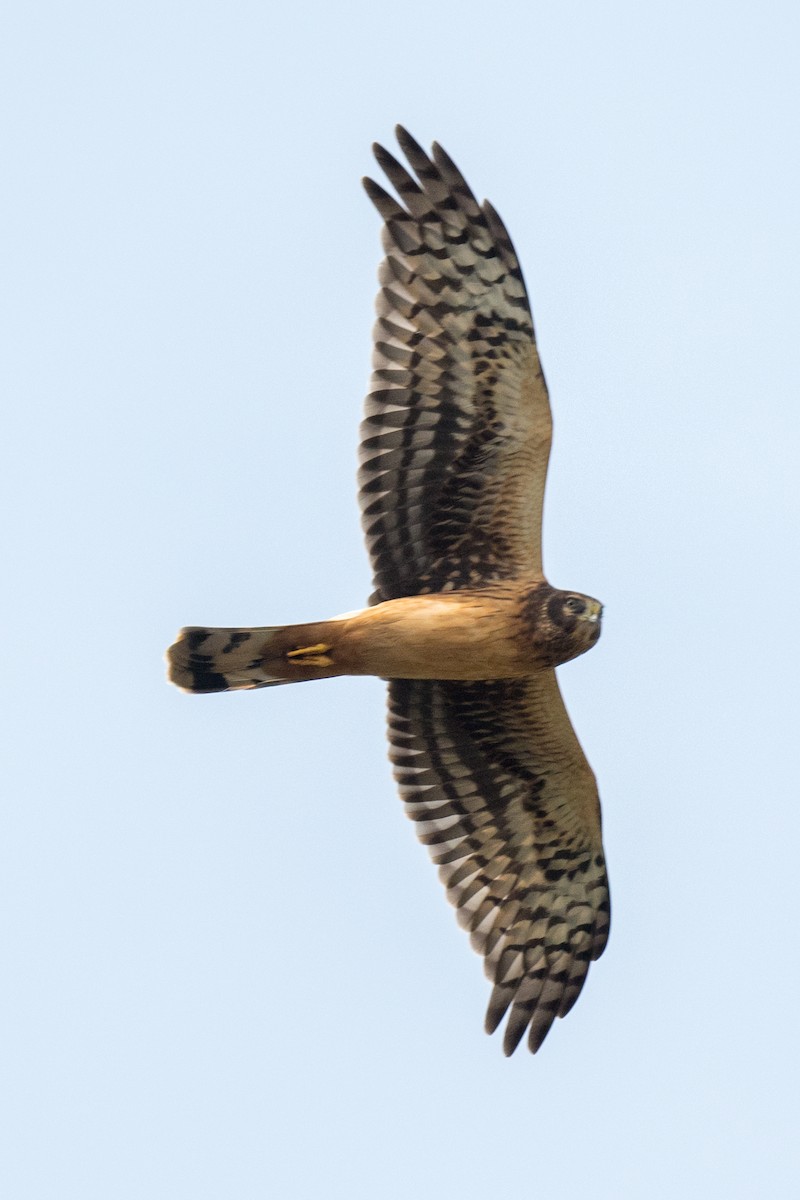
[
  {"x": 567, "y": 609},
  {"x": 573, "y": 622}
]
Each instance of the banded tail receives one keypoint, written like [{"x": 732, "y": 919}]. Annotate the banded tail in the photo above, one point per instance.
[{"x": 227, "y": 660}]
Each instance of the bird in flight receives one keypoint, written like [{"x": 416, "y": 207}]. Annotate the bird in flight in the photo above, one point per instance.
[{"x": 462, "y": 623}]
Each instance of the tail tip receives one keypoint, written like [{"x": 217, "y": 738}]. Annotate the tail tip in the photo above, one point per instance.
[
  {"x": 188, "y": 668},
  {"x": 219, "y": 660}
]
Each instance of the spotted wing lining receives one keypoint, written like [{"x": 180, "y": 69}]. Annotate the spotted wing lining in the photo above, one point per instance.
[
  {"x": 501, "y": 793},
  {"x": 456, "y": 434}
]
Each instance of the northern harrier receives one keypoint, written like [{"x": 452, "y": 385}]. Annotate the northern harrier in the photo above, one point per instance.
[{"x": 462, "y": 622}]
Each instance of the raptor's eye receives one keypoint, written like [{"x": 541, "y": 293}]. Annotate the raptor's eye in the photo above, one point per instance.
[{"x": 574, "y": 605}]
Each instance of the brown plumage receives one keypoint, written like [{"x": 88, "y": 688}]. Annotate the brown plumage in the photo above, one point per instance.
[{"x": 454, "y": 449}]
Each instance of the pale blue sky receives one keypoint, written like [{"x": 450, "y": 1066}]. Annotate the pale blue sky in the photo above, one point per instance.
[{"x": 228, "y": 970}]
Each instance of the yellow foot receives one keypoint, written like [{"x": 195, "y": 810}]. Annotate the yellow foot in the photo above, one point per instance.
[{"x": 311, "y": 656}]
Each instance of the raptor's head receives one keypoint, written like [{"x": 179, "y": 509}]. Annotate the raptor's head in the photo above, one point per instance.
[
  {"x": 575, "y": 621},
  {"x": 562, "y": 625}
]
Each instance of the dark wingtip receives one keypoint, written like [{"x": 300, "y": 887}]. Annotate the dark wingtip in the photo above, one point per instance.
[
  {"x": 443, "y": 158},
  {"x": 515, "y": 1031},
  {"x": 408, "y": 144},
  {"x": 537, "y": 1034},
  {"x": 383, "y": 156}
]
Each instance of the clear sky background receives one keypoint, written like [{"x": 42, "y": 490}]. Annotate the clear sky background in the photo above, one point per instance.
[{"x": 228, "y": 968}]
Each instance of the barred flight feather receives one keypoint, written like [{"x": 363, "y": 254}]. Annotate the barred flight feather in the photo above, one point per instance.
[
  {"x": 497, "y": 784},
  {"x": 456, "y": 433}
]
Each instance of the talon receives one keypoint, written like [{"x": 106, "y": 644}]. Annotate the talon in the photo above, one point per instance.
[{"x": 312, "y": 656}]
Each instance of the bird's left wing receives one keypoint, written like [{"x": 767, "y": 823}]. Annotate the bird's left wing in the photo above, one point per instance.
[
  {"x": 456, "y": 435},
  {"x": 494, "y": 777}
]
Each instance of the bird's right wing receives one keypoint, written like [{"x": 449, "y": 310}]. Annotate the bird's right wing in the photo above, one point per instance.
[
  {"x": 494, "y": 777},
  {"x": 456, "y": 435}
]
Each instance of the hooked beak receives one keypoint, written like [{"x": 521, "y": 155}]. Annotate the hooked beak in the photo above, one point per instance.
[{"x": 595, "y": 611}]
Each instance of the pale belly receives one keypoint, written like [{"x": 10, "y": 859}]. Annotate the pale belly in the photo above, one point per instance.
[{"x": 451, "y": 636}]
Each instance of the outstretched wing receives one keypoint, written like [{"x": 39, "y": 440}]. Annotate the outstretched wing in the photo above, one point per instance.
[
  {"x": 496, "y": 780},
  {"x": 456, "y": 436}
]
